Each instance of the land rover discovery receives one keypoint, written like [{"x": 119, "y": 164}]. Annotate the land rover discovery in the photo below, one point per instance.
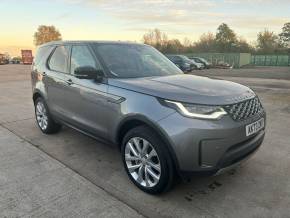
[{"x": 166, "y": 123}]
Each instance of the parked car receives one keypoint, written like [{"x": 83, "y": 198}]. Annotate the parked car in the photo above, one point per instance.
[
  {"x": 15, "y": 60},
  {"x": 223, "y": 65},
  {"x": 198, "y": 65},
  {"x": 203, "y": 61},
  {"x": 166, "y": 123},
  {"x": 184, "y": 63},
  {"x": 3, "y": 59}
]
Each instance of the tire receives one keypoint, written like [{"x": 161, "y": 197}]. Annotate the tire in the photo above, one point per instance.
[
  {"x": 150, "y": 163},
  {"x": 43, "y": 118}
]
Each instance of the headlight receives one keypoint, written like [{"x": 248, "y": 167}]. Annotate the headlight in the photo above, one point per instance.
[
  {"x": 187, "y": 65},
  {"x": 197, "y": 111}
]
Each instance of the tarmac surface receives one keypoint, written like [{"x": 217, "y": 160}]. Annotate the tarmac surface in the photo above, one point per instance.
[{"x": 92, "y": 173}]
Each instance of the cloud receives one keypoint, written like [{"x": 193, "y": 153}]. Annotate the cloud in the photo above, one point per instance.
[{"x": 189, "y": 16}]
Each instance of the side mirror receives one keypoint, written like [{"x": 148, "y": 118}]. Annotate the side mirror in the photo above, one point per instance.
[{"x": 88, "y": 72}]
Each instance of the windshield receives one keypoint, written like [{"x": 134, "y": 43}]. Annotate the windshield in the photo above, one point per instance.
[
  {"x": 186, "y": 59},
  {"x": 205, "y": 61},
  {"x": 197, "y": 60},
  {"x": 132, "y": 61}
]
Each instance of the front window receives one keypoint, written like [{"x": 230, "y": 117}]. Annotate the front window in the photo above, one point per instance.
[
  {"x": 133, "y": 61},
  {"x": 82, "y": 57}
]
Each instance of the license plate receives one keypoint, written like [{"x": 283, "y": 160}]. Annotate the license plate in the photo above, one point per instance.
[{"x": 255, "y": 127}]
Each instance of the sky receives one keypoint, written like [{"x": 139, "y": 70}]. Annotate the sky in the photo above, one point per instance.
[{"x": 130, "y": 19}]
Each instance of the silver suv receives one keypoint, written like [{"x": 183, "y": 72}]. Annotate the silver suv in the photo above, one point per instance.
[{"x": 166, "y": 123}]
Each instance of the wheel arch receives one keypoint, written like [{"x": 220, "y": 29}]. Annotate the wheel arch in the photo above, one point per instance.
[
  {"x": 36, "y": 94},
  {"x": 137, "y": 120}
]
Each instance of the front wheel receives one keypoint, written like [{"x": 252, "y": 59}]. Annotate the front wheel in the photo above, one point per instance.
[{"x": 147, "y": 161}]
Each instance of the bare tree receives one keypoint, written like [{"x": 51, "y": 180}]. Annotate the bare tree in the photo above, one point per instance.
[
  {"x": 187, "y": 42},
  {"x": 206, "y": 43},
  {"x": 155, "y": 38}
]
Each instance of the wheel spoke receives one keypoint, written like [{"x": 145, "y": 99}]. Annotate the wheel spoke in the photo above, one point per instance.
[
  {"x": 140, "y": 174},
  {"x": 154, "y": 176},
  {"x": 145, "y": 147},
  {"x": 42, "y": 124},
  {"x": 41, "y": 108},
  {"x": 146, "y": 176},
  {"x": 131, "y": 158},
  {"x": 133, "y": 149},
  {"x": 152, "y": 154},
  {"x": 155, "y": 166},
  {"x": 132, "y": 168},
  {"x": 45, "y": 123},
  {"x": 38, "y": 108},
  {"x": 137, "y": 144}
]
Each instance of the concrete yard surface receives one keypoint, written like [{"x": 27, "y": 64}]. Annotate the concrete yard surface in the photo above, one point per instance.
[
  {"x": 46, "y": 174},
  {"x": 32, "y": 184}
]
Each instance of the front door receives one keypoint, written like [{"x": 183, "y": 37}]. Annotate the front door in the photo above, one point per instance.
[{"x": 87, "y": 99}]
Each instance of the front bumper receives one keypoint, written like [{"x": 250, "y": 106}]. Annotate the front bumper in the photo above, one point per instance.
[{"x": 207, "y": 147}]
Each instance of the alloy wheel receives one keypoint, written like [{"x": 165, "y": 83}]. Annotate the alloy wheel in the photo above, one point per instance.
[
  {"x": 41, "y": 115},
  {"x": 142, "y": 162}
]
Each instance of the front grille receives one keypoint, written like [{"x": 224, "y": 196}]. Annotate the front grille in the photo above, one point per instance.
[{"x": 244, "y": 110}]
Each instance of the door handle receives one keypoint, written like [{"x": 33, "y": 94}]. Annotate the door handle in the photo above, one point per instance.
[{"x": 69, "y": 82}]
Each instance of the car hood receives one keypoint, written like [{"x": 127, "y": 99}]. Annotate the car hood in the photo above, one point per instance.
[{"x": 187, "y": 88}]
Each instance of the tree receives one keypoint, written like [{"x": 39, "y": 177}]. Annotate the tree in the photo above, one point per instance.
[
  {"x": 46, "y": 34},
  {"x": 155, "y": 38},
  {"x": 244, "y": 46},
  {"x": 267, "y": 42},
  {"x": 285, "y": 35},
  {"x": 226, "y": 38},
  {"x": 173, "y": 46},
  {"x": 206, "y": 43},
  {"x": 187, "y": 42}
]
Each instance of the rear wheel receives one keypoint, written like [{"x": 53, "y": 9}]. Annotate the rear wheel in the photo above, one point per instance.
[
  {"x": 147, "y": 161},
  {"x": 43, "y": 119}
]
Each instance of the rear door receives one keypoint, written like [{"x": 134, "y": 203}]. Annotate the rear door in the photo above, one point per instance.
[{"x": 86, "y": 101}]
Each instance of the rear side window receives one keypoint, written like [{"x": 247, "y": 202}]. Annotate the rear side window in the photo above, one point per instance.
[
  {"x": 42, "y": 55},
  {"x": 81, "y": 56},
  {"x": 59, "y": 59}
]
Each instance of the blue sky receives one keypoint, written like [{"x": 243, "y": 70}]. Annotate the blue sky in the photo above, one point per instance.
[{"x": 129, "y": 20}]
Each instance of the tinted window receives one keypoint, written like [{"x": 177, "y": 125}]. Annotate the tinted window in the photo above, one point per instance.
[
  {"x": 127, "y": 61},
  {"x": 59, "y": 59},
  {"x": 81, "y": 56}
]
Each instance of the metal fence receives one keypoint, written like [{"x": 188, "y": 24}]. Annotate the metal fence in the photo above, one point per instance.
[
  {"x": 242, "y": 59},
  {"x": 270, "y": 60},
  {"x": 234, "y": 59}
]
